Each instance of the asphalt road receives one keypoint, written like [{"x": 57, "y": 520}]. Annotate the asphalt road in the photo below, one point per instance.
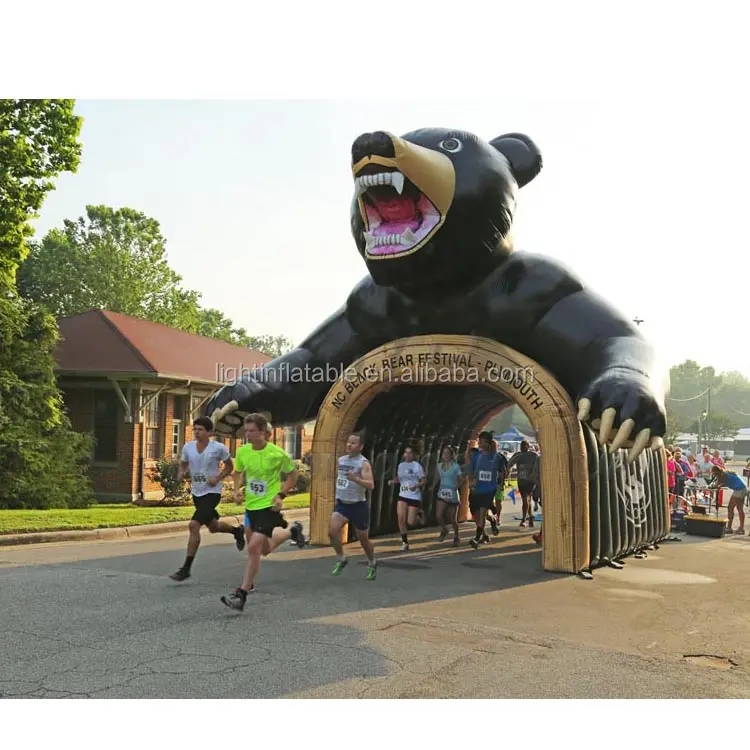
[{"x": 102, "y": 619}]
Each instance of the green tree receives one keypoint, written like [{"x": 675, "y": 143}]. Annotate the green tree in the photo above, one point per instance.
[
  {"x": 676, "y": 424},
  {"x": 214, "y": 324},
  {"x": 110, "y": 259},
  {"x": 43, "y": 461},
  {"x": 38, "y": 141},
  {"x": 718, "y": 426},
  {"x": 273, "y": 346},
  {"x": 116, "y": 259}
]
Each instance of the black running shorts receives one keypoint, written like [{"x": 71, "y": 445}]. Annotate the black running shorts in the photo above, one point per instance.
[
  {"x": 205, "y": 508},
  {"x": 479, "y": 500},
  {"x": 526, "y": 487},
  {"x": 265, "y": 521}
]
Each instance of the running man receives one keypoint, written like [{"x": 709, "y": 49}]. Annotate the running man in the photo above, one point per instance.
[
  {"x": 201, "y": 458},
  {"x": 260, "y": 465},
  {"x": 451, "y": 480},
  {"x": 526, "y": 461},
  {"x": 724, "y": 478},
  {"x": 410, "y": 475},
  {"x": 353, "y": 480},
  {"x": 495, "y": 511},
  {"x": 484, "y": 471}
]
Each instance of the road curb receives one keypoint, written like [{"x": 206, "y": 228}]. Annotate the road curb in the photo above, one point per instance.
[{"x": 121, "y": 532}]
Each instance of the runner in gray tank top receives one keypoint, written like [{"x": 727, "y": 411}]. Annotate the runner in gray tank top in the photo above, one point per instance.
[
  {"x": 352, "y": 482},
  {"x": 348, "y": 491}
]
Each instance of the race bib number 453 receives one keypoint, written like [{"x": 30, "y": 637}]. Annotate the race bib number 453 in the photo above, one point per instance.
[
  {"x": 257, "y": 487},
  {"x": 485, "y": 476}
]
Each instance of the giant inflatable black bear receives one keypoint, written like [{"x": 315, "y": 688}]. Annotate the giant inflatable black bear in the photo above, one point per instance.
[{"x": 431, "y": 216}]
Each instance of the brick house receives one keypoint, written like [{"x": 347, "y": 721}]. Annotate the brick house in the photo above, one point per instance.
[{"x": 137, "y": 386}]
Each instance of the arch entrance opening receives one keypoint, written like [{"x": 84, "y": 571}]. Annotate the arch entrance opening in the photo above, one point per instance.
[{"x": 432, "y": 391}]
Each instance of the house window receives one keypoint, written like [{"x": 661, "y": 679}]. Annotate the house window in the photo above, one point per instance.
[
  {"x": 194, "y": 410},
  {"x": 152, "y": 424},
  {"x": 178, "y": 410},
  {"x": 106, "y": 407},
  {"x": 292, "y": 442},
  {"x": 176, "y": 438}
]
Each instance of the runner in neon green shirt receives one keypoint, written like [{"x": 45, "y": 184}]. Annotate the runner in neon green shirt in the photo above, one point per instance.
[
  {"x": 258, "y": 467},
  {"x": 262, "y": 469}
]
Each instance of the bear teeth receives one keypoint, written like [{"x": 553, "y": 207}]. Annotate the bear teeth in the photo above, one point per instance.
[
  {"x": 407, "y": 238},
  {"x": 394, "y": 179}
]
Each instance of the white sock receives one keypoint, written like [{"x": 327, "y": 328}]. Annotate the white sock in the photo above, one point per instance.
[{"x": 341, "y": 558}]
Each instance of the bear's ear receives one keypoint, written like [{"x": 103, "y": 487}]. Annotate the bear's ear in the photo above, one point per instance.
[{"x": 522, "y": 153}]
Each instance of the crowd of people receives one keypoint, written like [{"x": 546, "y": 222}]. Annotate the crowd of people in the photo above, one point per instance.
[
  {"x": 690, "y": 475},
  {"x": 264, "y": 475}
]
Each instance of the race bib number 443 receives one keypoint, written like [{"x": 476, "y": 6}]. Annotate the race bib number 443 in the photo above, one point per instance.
[
  {"x": 257, "y": 487},
  {"x": 485, "y": 476}
]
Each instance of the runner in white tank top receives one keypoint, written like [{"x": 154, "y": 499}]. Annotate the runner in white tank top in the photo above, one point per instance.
[{"x": 353, "y": 480}]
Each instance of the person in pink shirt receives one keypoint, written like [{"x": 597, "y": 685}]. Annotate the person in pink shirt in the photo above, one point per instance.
[
  {"x": 671, "y": 474},
  {"x": 683, "y": 471},
  {"x": 717, "y": 460}
]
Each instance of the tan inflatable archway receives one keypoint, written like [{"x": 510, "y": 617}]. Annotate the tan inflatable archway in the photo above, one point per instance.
[{"x": 462, "y": 361}]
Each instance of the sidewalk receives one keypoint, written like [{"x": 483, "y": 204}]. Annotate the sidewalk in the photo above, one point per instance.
[{"x": 125, "y": 532}]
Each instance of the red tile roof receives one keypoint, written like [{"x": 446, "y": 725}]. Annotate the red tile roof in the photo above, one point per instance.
[{"x": 100, "y": 341}]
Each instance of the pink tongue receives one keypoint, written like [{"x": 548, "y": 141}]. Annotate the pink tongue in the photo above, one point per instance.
[
  {"x": 396, "y": 227},
  {"x": 400, "y": 208}
]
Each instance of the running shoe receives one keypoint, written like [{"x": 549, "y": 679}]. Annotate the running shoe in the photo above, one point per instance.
[
  {"x": 474, "y": 542},
  {"x": 235, "y": 600},
  {"x": 239, "y": 537},
  {"x": 371, "y": 572},
  {"x": 456, "y": 540},
  {"x": 404, "y": 547},
  {"x": 338, "y": 566},
  {"x": 493, "y": 526},
  {"x": 297, "y": 534},
  {"x": 180, "y": 575},
  {"x": 443, "y": 535}
]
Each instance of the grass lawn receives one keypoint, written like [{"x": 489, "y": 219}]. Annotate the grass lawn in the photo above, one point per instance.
[{"x": 109, "y": 516}]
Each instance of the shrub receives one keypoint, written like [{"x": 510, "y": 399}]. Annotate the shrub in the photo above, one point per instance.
[
  {"x": 176, "y": 491},
  {"x": 304, "y": 477}
]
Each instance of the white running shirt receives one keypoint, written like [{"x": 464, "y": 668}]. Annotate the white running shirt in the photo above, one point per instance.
[
  {"x": 409, "y": 475},
  {"x": 204, "y": 465}
]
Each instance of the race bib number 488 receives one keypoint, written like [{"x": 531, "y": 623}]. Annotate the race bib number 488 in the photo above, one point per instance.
[{"x": 257, "y": 487}]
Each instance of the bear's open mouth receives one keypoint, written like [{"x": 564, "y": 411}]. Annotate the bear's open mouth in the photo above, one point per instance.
[{"x": 398, "y": 214}]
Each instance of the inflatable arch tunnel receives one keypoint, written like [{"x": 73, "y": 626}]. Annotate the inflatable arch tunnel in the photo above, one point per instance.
[{"x": 433, "y": 391}]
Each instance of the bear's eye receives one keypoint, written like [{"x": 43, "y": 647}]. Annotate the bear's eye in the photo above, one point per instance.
[{"x": 451, "y": 145}]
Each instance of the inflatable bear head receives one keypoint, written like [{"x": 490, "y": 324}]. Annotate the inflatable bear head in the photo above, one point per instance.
[{"x": 435, "y": 206}]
